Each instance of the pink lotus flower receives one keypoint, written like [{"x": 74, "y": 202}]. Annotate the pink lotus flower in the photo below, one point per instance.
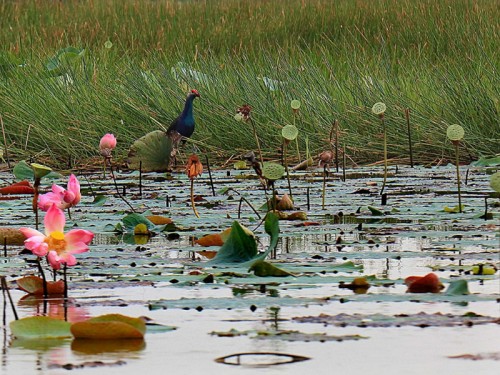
[
  {"x": 107, "y": 144},
  {"x": 62, "y": 198},
  {"x": 58, "y": 247}
]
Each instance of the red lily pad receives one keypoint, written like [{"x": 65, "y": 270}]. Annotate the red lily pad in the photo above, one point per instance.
[
  {"x": 110, "y": 327},
  {"x": 22, "y": 187},
  {"x": 424, "y": 284},
  {"x": 34, "y": 285}
]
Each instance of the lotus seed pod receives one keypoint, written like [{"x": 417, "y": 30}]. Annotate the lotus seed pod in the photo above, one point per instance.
[
  {"x": 295, "y": 104},
  {"x": 273, "y": 171},
  {"x": 40, "y": 170},
  {"x": 379, "y": 108},
  {"x": 108, "y": 44},
  {"x": 289, "y": 132},
  {"x": 495, "y": 182},
  {"x": 238, "y": 117},
  {"x": 455, "y": 132}
]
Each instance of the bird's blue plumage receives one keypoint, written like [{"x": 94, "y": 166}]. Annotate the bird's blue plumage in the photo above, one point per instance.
[{"x": 184, "y": 124}]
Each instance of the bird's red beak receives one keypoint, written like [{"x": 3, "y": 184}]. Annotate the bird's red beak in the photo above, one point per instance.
[{"x": 195, "y": 92}]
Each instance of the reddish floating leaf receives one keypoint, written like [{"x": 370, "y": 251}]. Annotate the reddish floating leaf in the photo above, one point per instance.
[
  {"x": 34, "y": 285},
  {"x": 22, "y": 187},
  {"x": 424, "y": 284},
  {"x": 110, "y": 327}
]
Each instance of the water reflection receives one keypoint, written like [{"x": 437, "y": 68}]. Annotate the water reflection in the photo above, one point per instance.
[
  {"x": 56, "y": 308},
  {"x": 85, "y": 346}
]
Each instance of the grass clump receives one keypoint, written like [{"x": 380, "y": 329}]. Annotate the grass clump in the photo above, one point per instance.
[{"x": 438, "y": 58}]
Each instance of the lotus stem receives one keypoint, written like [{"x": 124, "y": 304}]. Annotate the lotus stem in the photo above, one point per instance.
[
  {"x": 324, "y": 187},
  {"x": 35, "y": 200},
  {"x": 385, "y": 153},
  {"x": 40, "y": 269},
  {"x": 192, "y": 199},
  {"x": 257, "y": 141},
  {"x": 458, "y": 176},
  {"x": 65, "y": 269},
  {"x": 69, "y": 213},
  {"x": 210, "y": 175},
  {"x": 296, "y": 142},
  {"x": 5, "y": 289},
  {"x": 286, "y": 168}
]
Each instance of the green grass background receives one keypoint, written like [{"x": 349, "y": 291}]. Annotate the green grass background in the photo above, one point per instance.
[{"x": 437, "y": 57}]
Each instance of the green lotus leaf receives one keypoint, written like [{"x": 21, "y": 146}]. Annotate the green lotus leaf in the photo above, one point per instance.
[
  {"x": 289, "y": 132},
  {"x": 295, "y": 104},
  {"x": 40, "y": 170},
  {"x": 40, "y": 327},
  {"x": 379, "y": 108},
  {"x": 273, "y": 171},
  {"x": 455, "y": 132}
]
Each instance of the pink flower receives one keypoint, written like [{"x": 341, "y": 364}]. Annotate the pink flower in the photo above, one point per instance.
[
  {"x": 58, "y": 247},
  {"x": 107, "y": 144},
  {"x": 60, "y": 197}
]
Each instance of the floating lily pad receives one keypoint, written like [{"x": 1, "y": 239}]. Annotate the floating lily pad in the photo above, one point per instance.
[
  {"x": 40, "y": 328},
  {"x": 382, "y": 320},
  {"x": 109, "y": 327}
]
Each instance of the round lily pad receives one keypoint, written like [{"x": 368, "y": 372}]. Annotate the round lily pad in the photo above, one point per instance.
[
  {"x": 495, "y": 182},
  {"x": 289, "y": 132},
  {"x": 379, "y": 108},
  {"x": 295, "y": 104},
  {"x": 455, "y": 132},
  {"x": 273, "y": 171}
]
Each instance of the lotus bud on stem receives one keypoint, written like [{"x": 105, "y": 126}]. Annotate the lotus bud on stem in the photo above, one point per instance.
[{"x": 325, "y": 158}]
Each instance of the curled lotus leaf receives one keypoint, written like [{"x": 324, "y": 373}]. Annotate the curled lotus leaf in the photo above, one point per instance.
[
  {"x": 289, "y": 132},
  {"x": 40, "y": 170},
  {"x": 379, "y": 108},
  {"x": 455, "y": 132},
  {"x": 273, "y": 171}
]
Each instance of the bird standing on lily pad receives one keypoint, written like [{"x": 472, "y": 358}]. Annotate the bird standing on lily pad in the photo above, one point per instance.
[{"x": 155, "y": 151}]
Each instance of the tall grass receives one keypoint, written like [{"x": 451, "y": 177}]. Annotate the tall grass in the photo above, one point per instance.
[{"x": 437, "y": 57}]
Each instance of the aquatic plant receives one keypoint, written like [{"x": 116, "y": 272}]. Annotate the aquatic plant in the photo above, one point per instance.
[
  {"x": 289, "y": 133},
  {"x": 379, "y": 109},
  {"x": 106, "y": 145},
  {"x": 325, "y": 159},
  {"x": 295, "y": 104},
  {"x": 244, "y": 114},
  {"x": 62, "y": 198},
  {"x": 58, "y": 247},
  {"x": 455, "y": 134},
  {"x": 194, "y": 168}
]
